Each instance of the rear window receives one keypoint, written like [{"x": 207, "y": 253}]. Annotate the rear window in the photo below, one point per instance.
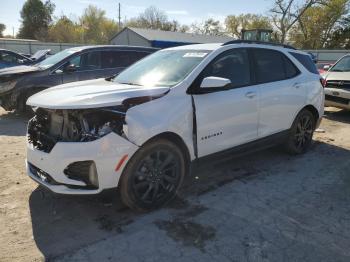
[{"x": 306, "y": 61}]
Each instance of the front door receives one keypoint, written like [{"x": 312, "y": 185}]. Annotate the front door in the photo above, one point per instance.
[{"x": 229, "y": 117}]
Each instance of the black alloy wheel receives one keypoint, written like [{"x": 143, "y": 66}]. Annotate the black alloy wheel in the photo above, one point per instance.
[
  {"x": 304, "y": 132},
  {"x": 157, "y": 176},
  {"x": 301, "y": 132},
  {"x": 153, "y": 175}
]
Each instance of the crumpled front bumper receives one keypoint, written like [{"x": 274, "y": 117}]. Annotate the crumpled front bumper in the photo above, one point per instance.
[{"x": 106, "y": 152}]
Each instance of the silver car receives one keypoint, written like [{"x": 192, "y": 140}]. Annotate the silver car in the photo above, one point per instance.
[{"x": 337, "y": 84}]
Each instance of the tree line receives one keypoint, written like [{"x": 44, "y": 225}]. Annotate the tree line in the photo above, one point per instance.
[{"x": 307, "y": 24}]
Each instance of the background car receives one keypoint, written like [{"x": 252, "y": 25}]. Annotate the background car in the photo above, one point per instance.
[
  {"x": 323, "y": 67},
  {"x": 337, "y": 84},
  {"x": 9, "y": 58},
  {"x": 70, "y": 65}
]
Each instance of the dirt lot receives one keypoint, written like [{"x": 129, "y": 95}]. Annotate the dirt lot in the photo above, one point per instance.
[{"x": 285, "y": 209}]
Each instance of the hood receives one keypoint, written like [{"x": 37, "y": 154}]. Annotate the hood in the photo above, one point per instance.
[
  {"x": 18, "y": 70},
  {"x": 337, "y": 76},
  {"x": 39, "y": 55},
  {"x": 91, "y": 94}
]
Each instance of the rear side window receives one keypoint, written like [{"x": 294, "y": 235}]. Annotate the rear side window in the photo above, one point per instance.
[
  {"x": 271, "y": 65},
  {"x": 113, "y": 59},
  {"x": 291, "y": 69},
  {"x": 306, "y": 61}
]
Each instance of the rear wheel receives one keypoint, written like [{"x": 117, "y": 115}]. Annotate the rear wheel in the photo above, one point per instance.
[
  {"x": 153, "y": 175},
  {"x": 300, "y": 136}
]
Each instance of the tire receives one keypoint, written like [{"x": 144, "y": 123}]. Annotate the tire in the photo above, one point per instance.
[
  {"x": 153, "y": 175},
  {"x": 301, "y": 132},
  {"x": 21, "y": 107}
]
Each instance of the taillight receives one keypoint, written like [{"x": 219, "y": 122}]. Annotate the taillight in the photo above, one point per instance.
[{"x": 323, "y": 82}]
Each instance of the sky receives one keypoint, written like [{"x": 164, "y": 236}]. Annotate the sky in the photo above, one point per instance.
[{"x": 185, "y": 11}]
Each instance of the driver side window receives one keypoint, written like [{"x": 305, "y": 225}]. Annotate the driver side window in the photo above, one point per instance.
[
  {"x": 233, "y": 65},
  {"x": 75, "y": 61}
]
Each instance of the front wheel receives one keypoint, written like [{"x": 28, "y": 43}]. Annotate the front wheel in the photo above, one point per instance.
[
  {"x": 301, "y": 132},
  {"x": 153, "y": 175}
]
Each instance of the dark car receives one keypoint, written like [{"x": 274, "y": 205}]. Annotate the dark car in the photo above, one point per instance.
[
  {"x": 9, "y": 58},
  {"x": 70, "y": 65}
]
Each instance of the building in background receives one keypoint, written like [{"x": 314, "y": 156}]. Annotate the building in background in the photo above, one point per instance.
[{"x": 162, "y": 39}]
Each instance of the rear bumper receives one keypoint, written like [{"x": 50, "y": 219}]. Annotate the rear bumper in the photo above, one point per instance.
[{"x": 48, "y": 169}]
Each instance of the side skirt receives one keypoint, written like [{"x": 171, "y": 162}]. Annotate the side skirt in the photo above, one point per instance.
[{"x": 254, "y": 146}]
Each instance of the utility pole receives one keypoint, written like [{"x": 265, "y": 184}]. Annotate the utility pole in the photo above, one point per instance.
[{"x": 119, "y": 17}]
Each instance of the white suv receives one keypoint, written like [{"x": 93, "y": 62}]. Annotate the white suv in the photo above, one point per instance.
[{"x": 141, "y": 130}]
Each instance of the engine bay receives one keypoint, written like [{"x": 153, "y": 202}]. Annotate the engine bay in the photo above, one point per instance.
[{"x": 48, "y": 126}]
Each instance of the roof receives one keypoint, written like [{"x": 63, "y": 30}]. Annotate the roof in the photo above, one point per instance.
[
  {"x": 209, "y": 47},
  {"x": 159, "y": 35},
  {"x": 121, "y": 47}
]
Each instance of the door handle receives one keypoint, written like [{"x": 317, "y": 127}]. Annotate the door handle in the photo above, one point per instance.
[
  {"x": 296, "y": 85},
  {"x": 250, "y": 94}
]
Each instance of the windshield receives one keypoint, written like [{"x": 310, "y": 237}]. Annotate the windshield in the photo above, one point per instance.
[
  {"x": 343, "y": 65},
  {"x": 163, "y": 68},
  {"x": 52, "y": 60}
]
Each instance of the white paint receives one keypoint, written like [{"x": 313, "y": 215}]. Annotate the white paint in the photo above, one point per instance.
[{"x": 224, "y": 118}]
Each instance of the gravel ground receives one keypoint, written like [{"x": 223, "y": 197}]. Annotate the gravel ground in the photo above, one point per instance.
[{"x": 264, "y": 206}]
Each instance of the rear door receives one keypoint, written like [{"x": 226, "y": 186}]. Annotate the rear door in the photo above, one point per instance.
[
  {"x": 227, "y": 117},
  {"x": 282, "y": 91}
]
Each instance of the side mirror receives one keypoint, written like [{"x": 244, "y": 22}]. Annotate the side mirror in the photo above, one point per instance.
[
  {"x": 70, "y": 68},
  {"x": 326, "y": 67},
  {"x": 215, "y": 82}
]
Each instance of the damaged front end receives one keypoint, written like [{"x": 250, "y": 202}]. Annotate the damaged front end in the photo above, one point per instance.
[
  {"x": 49, "y": 127},
  {"x": 76, "y": 150}
]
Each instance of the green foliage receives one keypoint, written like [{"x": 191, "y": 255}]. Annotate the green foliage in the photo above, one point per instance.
[
  {"x": 93, "y": 27},
  {"x": 317, "y": 25},
  {"x": 2, "y": 29},
  {"x": 153, "y": 18},
  {"x": 97, "y": 28},
  {"x": 65, "y": 30},
  {"x": 235, "y": 23},
  {"x": 308, "y": 24},
  {"x": 36, "y": 18},
  {"x": 208, "y": 27}
]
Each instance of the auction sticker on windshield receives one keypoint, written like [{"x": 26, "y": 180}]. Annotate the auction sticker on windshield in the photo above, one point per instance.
[{"x": 195, "y": 54}]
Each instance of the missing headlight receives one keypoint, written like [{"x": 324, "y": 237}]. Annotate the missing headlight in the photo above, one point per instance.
[{"x": 48, "y": 127}]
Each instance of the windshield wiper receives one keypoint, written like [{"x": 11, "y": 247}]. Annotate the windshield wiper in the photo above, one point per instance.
[{"x": 337, "y": 70}]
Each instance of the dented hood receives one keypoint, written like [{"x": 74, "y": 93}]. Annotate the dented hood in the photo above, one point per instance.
[
  {"x": 22, "y": 69},
  {"x": 91, "y": 94}
]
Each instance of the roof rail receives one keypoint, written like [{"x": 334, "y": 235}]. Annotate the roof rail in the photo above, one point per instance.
[{"x": 257, "y": 42}]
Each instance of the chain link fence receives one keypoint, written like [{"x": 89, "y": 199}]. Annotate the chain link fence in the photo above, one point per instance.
[{"x": 31, "y": 46}]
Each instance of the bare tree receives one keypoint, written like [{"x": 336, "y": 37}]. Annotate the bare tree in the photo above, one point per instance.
[
  {"x": 285, "y": 13},
  {"x": 208, "y": 27}
]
